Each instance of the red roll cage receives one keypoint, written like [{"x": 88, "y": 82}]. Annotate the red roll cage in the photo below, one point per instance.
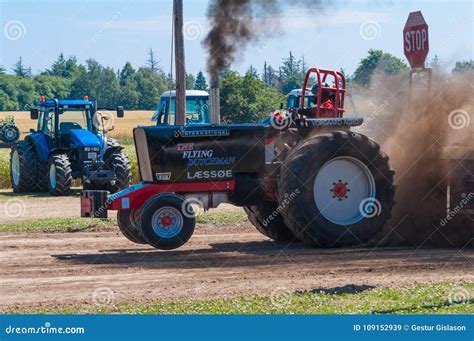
[{"x": 339, "y": 90}]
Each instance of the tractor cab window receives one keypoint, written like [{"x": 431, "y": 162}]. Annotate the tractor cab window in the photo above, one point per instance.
[
  {"x": 294, "y": 102},
  {"x": 197, "y": 111},
  {"x": 41, "y": 121},
  {"x": 160, "y": 112},
  {"x": 72, "y": 118},
  {"x": 46, "y": 121}
]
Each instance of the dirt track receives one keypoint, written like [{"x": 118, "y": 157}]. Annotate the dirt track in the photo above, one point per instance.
[{"x": 66, "y": 268}]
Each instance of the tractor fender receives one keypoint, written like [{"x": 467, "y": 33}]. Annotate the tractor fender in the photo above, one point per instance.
[
  {"x": 40, "y": 144},
  {"x": 60, "y": 150}
]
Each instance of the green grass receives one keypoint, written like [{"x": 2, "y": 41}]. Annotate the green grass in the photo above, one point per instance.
[
  {"x": 57, "y": 225},
  {"x": 5, "y": 168},
  {"x": 78, "y": 224},
  {"x": 418, "y": 299},
  {"x": 230, "y": 217},
  {"x": 129, "y": 150}
]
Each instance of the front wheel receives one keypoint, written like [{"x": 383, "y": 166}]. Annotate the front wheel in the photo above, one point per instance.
[
  {"x": 344, "y": 197},
  {"x": 129, "y": 224},
  {"x": 120, "y": 164},
  {"x": 59, "y": 175},
  {"x": 10, "y": 133},
  {"x": 166, "y": 221}
]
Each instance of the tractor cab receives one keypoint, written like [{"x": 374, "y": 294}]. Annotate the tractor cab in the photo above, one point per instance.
[
  {"x": 58, "y": 118},
  {"x": 294, "y": 99},
  {"x": 197, "y": 108},
  {"x": 62, "y": 121}
]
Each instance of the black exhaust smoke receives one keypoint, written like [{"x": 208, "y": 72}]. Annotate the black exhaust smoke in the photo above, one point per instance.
[{"x": 235, "y": 23}]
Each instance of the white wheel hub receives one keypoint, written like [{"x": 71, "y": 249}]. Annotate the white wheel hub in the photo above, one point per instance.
[
  {"x": 52, "y": 176},
  {"x": 339, "y": 188},
  {"x": 16, "y": 168},
  {"x": 10, "y": 134},
  {"x": 167, "y": 222}
]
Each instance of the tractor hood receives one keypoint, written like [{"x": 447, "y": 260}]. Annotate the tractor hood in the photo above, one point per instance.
[{"x": 84, "y": 138}]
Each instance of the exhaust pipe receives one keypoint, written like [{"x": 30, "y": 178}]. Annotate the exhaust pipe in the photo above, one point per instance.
[{"x": 215, "y": 106}]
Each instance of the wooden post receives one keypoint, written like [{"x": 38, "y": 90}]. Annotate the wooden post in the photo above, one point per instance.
[{"x": 180, "y": 63}]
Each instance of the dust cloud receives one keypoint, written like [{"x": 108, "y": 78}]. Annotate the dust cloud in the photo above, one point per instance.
[{"x": 428, "y": 139}]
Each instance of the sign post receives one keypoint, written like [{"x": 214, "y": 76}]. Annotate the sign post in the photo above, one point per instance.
[{"x": 416, "y": 46}]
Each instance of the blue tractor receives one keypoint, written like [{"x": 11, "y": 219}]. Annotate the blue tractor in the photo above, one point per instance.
[{"x": 69, "y": 143}]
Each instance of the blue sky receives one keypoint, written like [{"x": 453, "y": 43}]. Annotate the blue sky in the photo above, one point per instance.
[{"x": 116, "y": 31}]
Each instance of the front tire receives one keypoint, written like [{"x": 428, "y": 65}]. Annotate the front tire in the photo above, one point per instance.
[
  {"x": 129, "y": 224},
  {"x": 10, "y": 133},
  {"x": 59, "y": 175},
  {"x": 119, "y": 162},
  {"x": 166, "y": 222},
  {"x": 344, "y": 197}
]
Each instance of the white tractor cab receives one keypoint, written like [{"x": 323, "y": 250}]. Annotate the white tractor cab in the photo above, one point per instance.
[
  {"x": 197, "y": 108},
  {"x": 294, "y": 99}
]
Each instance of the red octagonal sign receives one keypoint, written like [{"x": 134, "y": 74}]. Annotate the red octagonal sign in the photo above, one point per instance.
[{"x": 415, "y": 40}]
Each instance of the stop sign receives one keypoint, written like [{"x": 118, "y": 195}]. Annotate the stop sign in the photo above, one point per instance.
[{"x": 415, "y": 40}]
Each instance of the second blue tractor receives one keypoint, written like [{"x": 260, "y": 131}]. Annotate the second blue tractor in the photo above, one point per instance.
[{"x": 69, "y": 143}]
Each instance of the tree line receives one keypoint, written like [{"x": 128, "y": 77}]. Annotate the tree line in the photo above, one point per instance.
[{"x": 244, "y": 97}]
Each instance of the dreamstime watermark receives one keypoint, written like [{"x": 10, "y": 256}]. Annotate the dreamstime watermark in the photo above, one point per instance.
[
  {"x": 459, "y": 119},
  {"x": 466, "y": 198},
  {"x": 379, "y": 109},
  {"x": 13, "y": 208},
  {"x": 47, "y": 328},
  {"x": 14, "y": 30},
  {"x": 103, "y": 296},
  {"x": 288, "y": 198},
  {"x": 192, "y": 207},
  {"x": 192, "y": 30},
  {"x": 279, "y": 122},
  {"x": 280, "y": 298},
  {"x": 369, "y": 30},
  {"x": 370, "y": 207},
  {"x": 459, "y": 295}
]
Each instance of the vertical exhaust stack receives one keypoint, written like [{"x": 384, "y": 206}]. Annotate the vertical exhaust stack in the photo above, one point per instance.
[{"x": 215, "y": 105}]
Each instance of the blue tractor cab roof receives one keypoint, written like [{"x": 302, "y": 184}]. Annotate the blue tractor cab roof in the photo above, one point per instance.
[{"x": 64, "y": 102}]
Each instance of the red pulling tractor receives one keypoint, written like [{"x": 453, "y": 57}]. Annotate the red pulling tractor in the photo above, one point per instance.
[{"x": 300, "y": 176}]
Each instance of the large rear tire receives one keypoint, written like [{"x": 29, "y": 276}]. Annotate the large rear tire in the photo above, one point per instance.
[
  {"x": 23, "y": 167},
  {"x": 129, "y": 224},
  {"x": 269, "y": 222},
  {"x": 59, "y": 175},
  {"x": 342, "y": 190}
]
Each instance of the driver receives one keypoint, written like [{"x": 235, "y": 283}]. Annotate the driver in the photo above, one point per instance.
[{"x": 327, "y": 103}]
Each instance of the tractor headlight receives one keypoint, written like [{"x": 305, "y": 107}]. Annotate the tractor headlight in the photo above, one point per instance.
[{"x": 92, "y": 155}]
